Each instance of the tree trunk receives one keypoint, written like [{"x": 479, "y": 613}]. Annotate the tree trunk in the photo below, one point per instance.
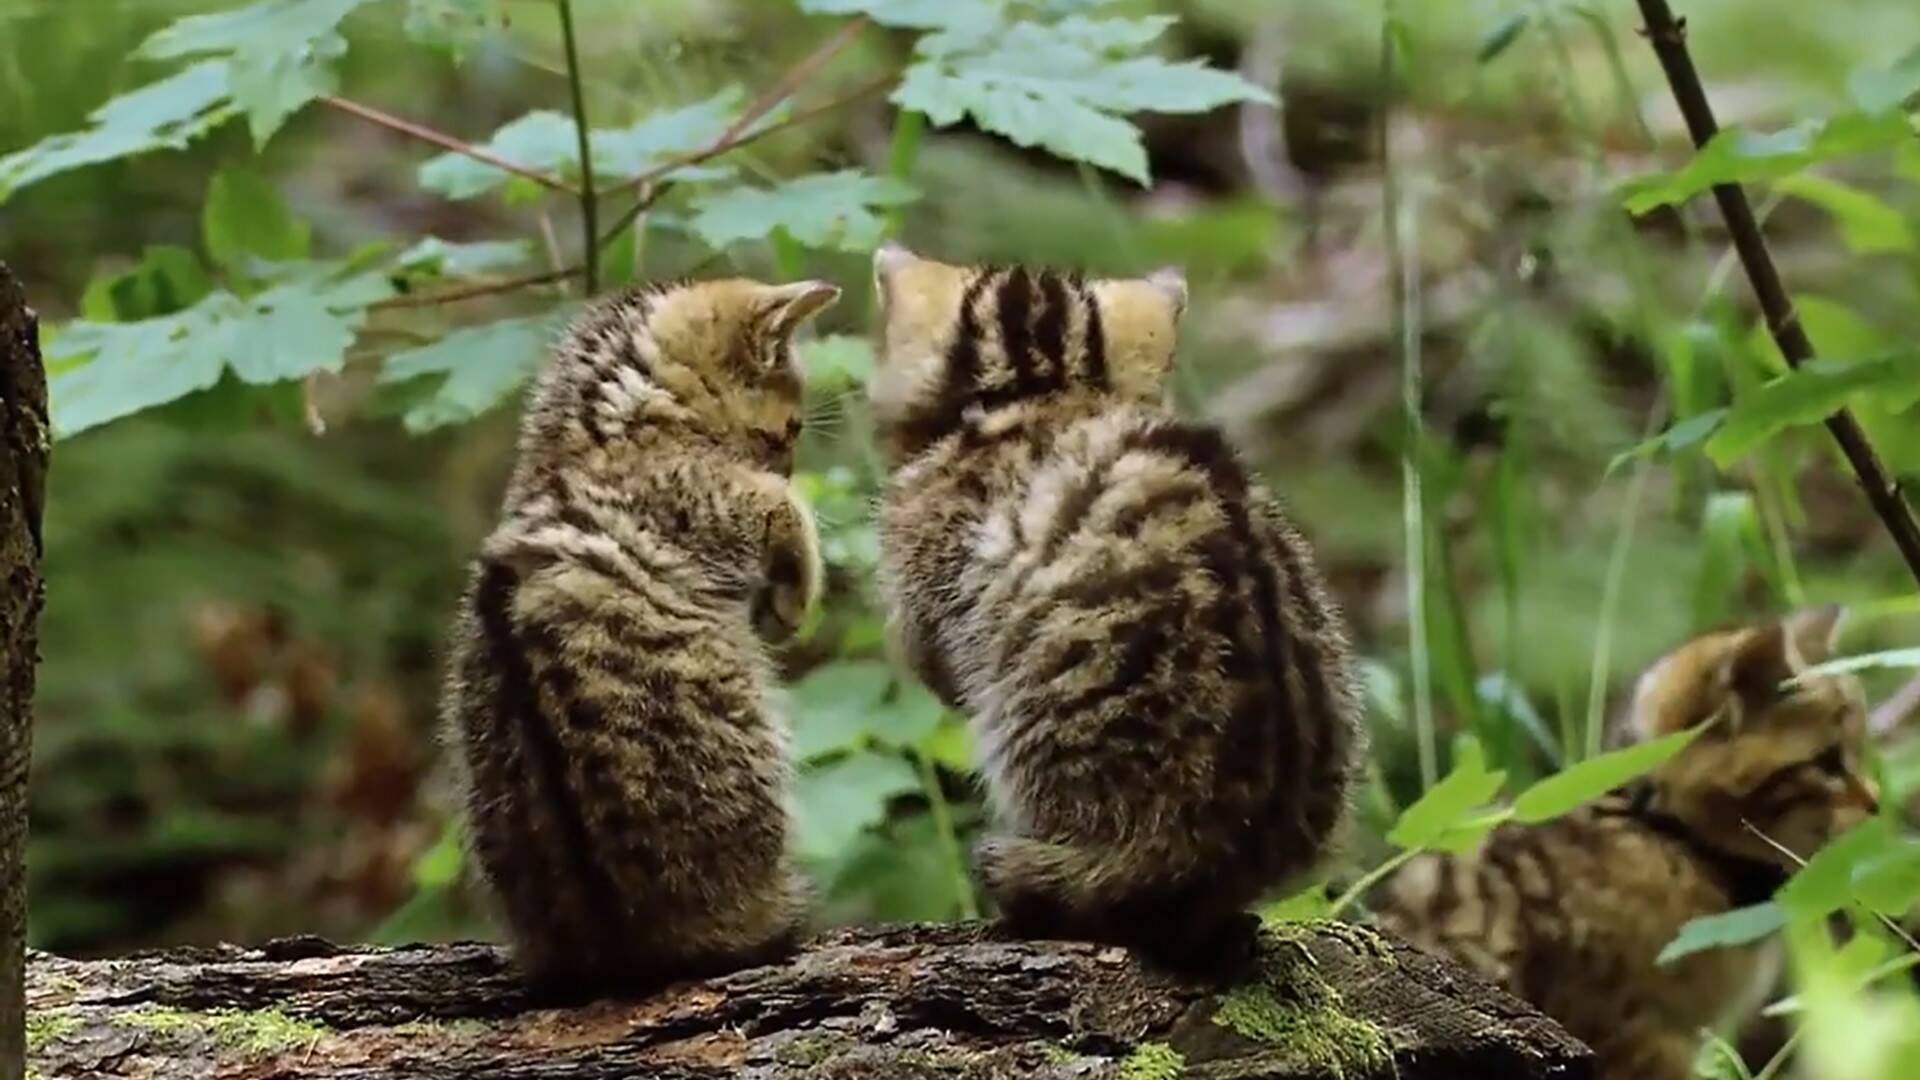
[
  {"x": 23, "y": 475},
  {"x": 1325, "y": 1000}
]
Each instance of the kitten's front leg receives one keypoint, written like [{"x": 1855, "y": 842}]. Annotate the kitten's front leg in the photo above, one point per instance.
[{"x": 791, "y": 571}]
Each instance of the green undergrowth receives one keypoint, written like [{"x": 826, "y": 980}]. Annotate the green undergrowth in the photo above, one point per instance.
[
  {"x": 1153, "y": 1061},
  {"x": 48, "y": 1026}
]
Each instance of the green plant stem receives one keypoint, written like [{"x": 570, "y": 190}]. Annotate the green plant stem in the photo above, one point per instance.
[
  {"x": 1368, "y": 880},
  {"x": 949, "y": 839},
  {"x": 1669, "y": 40},
  {"x": 1780, "y": 1057},
  {"x": 909, "y": 128},
  {"x": 1610, "y": 590},
  {"x": 589, "y": 201},
  {"x": 1399, "y": 221}
]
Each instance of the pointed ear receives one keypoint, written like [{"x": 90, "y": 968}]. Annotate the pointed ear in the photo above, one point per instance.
[
  {"x": 889, "y": 259},
  {"x": 785, "y": 307},
  {"x": 1172, "y": 282},
  {"x": 1760, "y": 660},
  {"x": 1813, "y": 634}
]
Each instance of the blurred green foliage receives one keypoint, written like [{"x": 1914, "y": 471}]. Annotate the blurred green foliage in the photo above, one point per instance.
[{"x": 278, "y": 450}]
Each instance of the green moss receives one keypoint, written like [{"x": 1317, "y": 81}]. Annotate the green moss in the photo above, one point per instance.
[
  {"x": 250, "y": 1031},
  {"x": 1153, "y": 1061},
  {"x": 1290, "y": 1006},
  {"x": 49, "y": 1025},
  {"x": 1061, "y": 1054},
  {"x": 810, "y": 1050},
  {"x": 464, "y": 1029}
]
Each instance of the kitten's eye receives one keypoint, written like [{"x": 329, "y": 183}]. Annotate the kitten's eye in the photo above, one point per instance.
[{"x": 1831, "y": 761}]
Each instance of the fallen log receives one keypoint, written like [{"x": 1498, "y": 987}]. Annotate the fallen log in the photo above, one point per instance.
[{"x": 1324, "y": 1000}]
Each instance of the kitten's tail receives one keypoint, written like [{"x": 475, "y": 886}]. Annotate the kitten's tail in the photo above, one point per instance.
[{"x": 1052, "y": 890}]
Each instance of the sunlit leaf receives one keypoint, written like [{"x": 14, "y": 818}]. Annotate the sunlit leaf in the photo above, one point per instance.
[
  {"x": 481, "y": 366},
  {"x": 244, "y": 219},
  {"x": 835, "y": 802},
  {"x": 1736, "y": 156},
  {"x": 546, "y": 141},
  {"x": 1882, "y": 91},
  {"x": 825, "y": 210},
  {"x": 1889, "y": 882},
  {"x": 1810, "y": 394},
  {"x": 950, "y": 745},
  {"x": 1455, "y": 805},
  {"x": 279, "y": 53},
  {"x": 448, "y": 259},
  {"x": 834, "y": 706},
  {"x": 1867, "y": 223},
  {"x": 1889, "y": 658},
  {"x": 1311, "y": 902},
  {"x": 906, "y": 14},
  {"x": 167, "y": 114},
  {"x": 1581, "y": 783},
  {"x": 1741, "y": 926},
  {"x": 114, "y": 369},
  {"x": 167, "y": 280},
  {"x": 1825, "y": 884}
]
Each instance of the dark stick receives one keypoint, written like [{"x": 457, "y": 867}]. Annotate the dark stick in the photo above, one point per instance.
[
  {"x": 1669, "y": 39},
  {"x": 589, "y": 200},
  {"x": 24, "y": 437}
]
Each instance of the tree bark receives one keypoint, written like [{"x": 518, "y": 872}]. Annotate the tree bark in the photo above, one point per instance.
[
  {"x": 899, "y": 1002},
  {"x": 23, "y": 474}
]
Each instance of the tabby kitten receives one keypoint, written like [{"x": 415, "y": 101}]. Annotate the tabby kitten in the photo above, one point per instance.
[
  {"x": 1570, "y": 914},
  {"x": 626, "y": 774},
  {"x": 1160, "y": 687}
]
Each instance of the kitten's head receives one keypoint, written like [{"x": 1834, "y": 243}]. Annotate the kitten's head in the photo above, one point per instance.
[
  {"x": 1786, "y": 756},
  {"x": 708, "y": 360},
  {"x": 960, "y": 337}
]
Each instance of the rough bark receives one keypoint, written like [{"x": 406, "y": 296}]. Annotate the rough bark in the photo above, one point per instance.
[
  {"x": 23, "y": 473},
  {"x": 900, "y": 1002}
]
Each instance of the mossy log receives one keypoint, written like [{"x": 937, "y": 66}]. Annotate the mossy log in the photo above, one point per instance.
[{"x": 1327, "y": 1000}]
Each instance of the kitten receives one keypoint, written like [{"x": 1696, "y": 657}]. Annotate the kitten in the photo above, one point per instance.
[
  {"x": 1571, "y": 913},
  {"x": 626, "y": 774},
  {"x": 1160, "y": 687}
]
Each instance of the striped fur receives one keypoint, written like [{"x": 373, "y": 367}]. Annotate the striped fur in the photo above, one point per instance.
[
  {"x": 626, "y": 775},
  {"x": 1570, "y": 914},
  {"x": 1159, "y": 685}
]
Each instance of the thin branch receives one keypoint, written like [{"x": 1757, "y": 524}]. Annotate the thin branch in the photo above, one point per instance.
[
  {"x": 443, "y": 141},
  {"x": 784, "y": 87},
  {"x": 1669, "y": 39},
  {"x": 589, "y": 202},
  {"x": 1889, "y": 715},
  {"x": 476, "y": 289}
]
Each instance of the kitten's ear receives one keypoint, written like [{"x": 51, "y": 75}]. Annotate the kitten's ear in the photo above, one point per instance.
[
  {"x": 785, "y": 307},
  {"x": 1760, "y": 660},
  {"x": 889, "y": 259},
  {"x": 1172, "y": 283},
  {"x": 1812, "y": 635}
]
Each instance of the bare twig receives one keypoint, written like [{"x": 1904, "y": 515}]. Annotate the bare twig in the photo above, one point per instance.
[
  {"x": 796, "y": 76},
  {"x": 443, "y": 141},
  {"x": 589, "y": 202},
  {"x": 1669, "y": 39},
  {"x": 475, "y": 289},
  {"x": 1889, "y": 715}
]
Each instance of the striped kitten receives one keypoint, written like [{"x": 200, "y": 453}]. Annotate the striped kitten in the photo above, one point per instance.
[
  {"x": 1159, "y": 684},
  {"x": 1570, "y": 914},
  {"x": 626, "y": 775}
]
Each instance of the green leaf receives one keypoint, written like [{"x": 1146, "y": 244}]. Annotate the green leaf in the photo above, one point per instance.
[
  {"x": 907, "y": 14},
  {"x": 1741, "y": 926},
  {"x": 546, "y": 141},
  {"x": 825, "y": 210},
  {"x": 1887, "y": 91},
  {"x": 1889, "y": 882},
  {"x": 291, "y": 330},
  {"x": 1453, "y": 809},
  {"x": 1502, "y": 36},
  {"x": 245, "y": 219},
  {"x": 1736, "y": 156},
  {"x": 839, "y": 361},
  {"x": 453, "y": 25},
  {"x": 1731, "y": 522},
  {"x": 280, "y": 53},
  {"x": 1594, "y": 777},
  {"x": 834, "y": 706},
  {"x": 950, "y": 745},
  {"x": 837, "y": 801},
  {"x": 1825, "y": 884},
  {"x": 162, "y": 115},
  {"x": 1810, "y": 394},
  {"x": 1868, "y": 225},
  {"x": 1309, "y": 903},
  {"x": 1063, "y": 87},
  {"x": 1686, "y": 433},
  {"x": 440, "y": 867},
  {"x": 446, "y": 259},
  {"x": 910, "y": 716},
  {"x": 1890, "y": 658},
  {"x": 167, "y": 280},
  {"x": 482, "y": 365}
]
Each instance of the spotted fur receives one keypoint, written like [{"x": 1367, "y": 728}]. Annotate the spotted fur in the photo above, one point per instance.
[
  {"x": 607, "y": 694},
  {"x": 1570, "y": 914},
  {"x": 1160, "y": 687}
]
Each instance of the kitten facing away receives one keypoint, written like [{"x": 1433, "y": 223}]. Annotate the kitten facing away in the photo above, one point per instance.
[
  {"x": 608, "y": 690},
  {"x": 1160, "y": 687},
  {"x": 1571, "y": 913}
]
